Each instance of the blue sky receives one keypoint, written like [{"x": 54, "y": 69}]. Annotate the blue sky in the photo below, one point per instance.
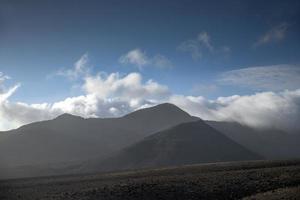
[{"x": 188, "y": 46}]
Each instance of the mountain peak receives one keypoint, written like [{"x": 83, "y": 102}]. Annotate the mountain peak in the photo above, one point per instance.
[
  {"x": 167, "y": 105},
  {"x": 183, "y": 144},
  {"x": 164, "y": 109},
  {"x": 67, "y": 116}
]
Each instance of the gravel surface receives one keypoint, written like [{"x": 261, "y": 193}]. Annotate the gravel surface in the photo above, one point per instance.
[{"x": 234, "y": 180}]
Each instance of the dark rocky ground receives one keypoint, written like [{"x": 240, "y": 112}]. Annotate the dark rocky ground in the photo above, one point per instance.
[
  {"x": 279, "y": 194},
  {"x": 236, "y": 180}
]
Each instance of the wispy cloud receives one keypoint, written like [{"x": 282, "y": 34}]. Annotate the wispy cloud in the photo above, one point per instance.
[
  {"x": 4, "y": 95},
  {"x": 80, "y": 68},
  {"x": 140, "y": 59},
  {"x": 204, "y": 39},
  {"x": 275, "y": 77},
  {"x": 3, "y": 77},
  {"x": 161, "y": 62},
  {"x": 276, "y": 33},
  {"x": 135, "y": 57},
  {"x": 192, "y": 47},
  {"x": 200, "y": 45}
]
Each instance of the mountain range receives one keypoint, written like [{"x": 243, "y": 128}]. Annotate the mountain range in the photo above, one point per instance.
[
  {"x": 163, "y": 135},
  {"x": 186, "y": 143},
  {"x": 72, "y": 138}
]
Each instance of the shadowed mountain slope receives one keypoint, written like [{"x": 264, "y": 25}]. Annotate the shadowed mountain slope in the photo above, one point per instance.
[
  {"x": 187, "y": 143},
  {"x": 71, "y": 138},
  {"x": 272, "y": 144}
]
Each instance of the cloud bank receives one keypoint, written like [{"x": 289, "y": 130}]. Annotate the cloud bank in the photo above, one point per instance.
[
  {"x": 113, "y": 95},
  {"x": 274, "y": 78},
  {"x": 261, "y": 110}
]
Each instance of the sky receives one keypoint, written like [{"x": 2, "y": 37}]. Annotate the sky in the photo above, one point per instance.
[{"x": 218, "y": 60}]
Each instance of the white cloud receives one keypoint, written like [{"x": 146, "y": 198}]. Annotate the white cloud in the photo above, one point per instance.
[
  {"x": 275, "y": 34},
  {"x": 104, "y": 96},
  {"x": 112, "y": 95},
  {"x": 202, "y": 44},
  {"x": 4, "y": 95},
  {"x": 14, "y": 114},
  {"x": 261, "y": 110},
  {"x": 127, "y": 87},
  {"x": 274, "y": 78},
  {"x": 140, "y": 59},
  {"x": 135, "y": 57}
]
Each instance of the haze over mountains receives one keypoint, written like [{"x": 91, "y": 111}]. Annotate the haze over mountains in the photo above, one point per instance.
[
  {"x": 71, "y": 138},
  {"x": 272, "y": 144},
  {"x": 162, "y": 135},
  {"x": 186, "y": 143}
]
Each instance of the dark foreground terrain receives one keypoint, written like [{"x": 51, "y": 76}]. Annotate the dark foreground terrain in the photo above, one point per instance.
[{"x": 236, "y": 180}]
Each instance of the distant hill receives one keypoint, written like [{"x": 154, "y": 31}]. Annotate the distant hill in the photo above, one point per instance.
[
  {"x": 187, "y": 143},
  {"x": 272, "y": 144}
]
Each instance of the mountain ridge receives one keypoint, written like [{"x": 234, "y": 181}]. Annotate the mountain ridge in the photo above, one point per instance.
[
  {"x": 70, "y": 138},
  {"x": 272, "y": 144},
  {"x": 186, "y": 143}
]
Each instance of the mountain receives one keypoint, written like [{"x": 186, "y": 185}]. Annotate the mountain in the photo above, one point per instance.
[
  {"x": 187, "y": 143},
  {"x": 69, "y": 138},
  {"x": 272, "y": 144}
]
